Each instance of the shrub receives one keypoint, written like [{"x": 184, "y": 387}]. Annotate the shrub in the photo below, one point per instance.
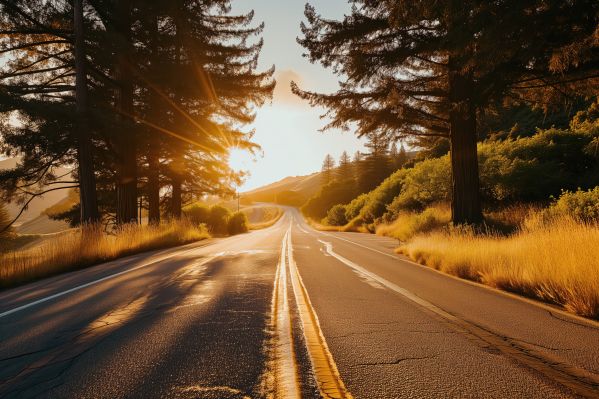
[
  {"x": 238, "y": 223},
  {"x": 354, "y": 208},
  {"x": 581, "y": 205},
  {"x": 219, "y": 219},
  {"x": 427, "y": 183},
  {"x": 378, "y": 199},
  {"x": 336, "y": 216},
  {"x": 197, "y": 213}
]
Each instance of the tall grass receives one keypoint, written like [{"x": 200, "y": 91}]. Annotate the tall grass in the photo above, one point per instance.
[
  {"x": 409, "y": 224},
  {"x": 555, "y": 261},
  {"x": 90, "y": 246}
]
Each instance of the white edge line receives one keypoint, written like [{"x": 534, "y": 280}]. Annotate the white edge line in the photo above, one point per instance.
[
  {"x": 587, "y": 322},
  {"x": 392, "y": 286}
]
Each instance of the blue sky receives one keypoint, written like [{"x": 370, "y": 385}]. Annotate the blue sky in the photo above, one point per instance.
[{"x": 288, "y": 128}]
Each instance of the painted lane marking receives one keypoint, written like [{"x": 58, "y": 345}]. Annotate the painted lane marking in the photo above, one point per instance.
[
  {"x": 325, "y": 370},
  {"x": 579, "y": 380},
  {"x": 393, "y": 287},
  {"x": 94, "y": 282},
  {"x": 286, "y": 381},
  {"x": 588, "y": 323}
]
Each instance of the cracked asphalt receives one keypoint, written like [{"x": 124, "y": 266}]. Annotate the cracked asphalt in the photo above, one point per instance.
[{"x": 193, "y": 322}]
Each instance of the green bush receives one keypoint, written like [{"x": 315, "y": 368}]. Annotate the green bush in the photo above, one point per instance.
[
  {"x": 534, "y": 168},
  {"x": 428, "y": 182},
  {"x": 219, "y": 219},
  {"x": 197, "y": 214},
  {"x": 582, "y": 205},
  {"x": 336, "y": 216},
  {"x": 354, "y": 208},
  {"x": 238, "y": 223},
  {"x": 378, "y": 199}
]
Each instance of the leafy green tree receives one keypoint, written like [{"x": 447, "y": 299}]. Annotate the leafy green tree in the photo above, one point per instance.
[
  {"x": 425, "y": 69},
  {"x": 336, "y": 216}
]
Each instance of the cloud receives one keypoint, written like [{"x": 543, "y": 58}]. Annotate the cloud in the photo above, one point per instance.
[{"x": 282, "y": 93}]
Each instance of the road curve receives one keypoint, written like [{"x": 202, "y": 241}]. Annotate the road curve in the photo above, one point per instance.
[{"x": 285, "y": 312}]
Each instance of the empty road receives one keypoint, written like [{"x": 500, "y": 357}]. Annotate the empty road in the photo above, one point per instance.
[{"x": 286, "y": 312}]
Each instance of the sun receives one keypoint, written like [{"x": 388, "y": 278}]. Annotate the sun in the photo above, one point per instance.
[{"x": 240, "y": 160}]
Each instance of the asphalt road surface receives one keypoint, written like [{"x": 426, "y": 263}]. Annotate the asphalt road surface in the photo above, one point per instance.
[{"x": 286, "y": 312}]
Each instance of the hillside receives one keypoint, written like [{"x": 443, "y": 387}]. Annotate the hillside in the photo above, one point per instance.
[
  {"x": 38, "y": 205},
  {"x": 289, "y": 190}
]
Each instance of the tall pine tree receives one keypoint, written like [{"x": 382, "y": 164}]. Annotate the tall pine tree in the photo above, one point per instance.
[{"x": 427, "y": 68}]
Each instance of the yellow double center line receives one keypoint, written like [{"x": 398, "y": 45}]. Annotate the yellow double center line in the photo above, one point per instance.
[{"x": 325, "y": 370}]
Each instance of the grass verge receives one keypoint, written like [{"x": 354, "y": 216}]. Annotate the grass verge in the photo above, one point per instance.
[
  {"x": 91, "y": 246},
  {"x": 554, "y": 261}
]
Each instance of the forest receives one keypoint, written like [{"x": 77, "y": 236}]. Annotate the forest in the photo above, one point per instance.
[
  {"x": 126, "y": 93},
  {"x": 141, "y": 103}
]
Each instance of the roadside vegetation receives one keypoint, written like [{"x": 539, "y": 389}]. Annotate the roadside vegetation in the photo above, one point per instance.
[
  {"x": 540, "y": 235},
  {"x": 552, "y": 260},
  {"x": 81, "y": 248},
  {"x": 220, "y": 220},
  {"x": 25, "y": 258}
]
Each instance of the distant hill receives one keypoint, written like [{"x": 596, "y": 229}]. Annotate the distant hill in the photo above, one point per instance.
[
  {"x": 38, "y": 205},
  {"x": 292, "y": 190}
]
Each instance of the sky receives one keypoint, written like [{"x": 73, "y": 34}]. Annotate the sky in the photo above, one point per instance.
[{"x": 288, "y": 128}]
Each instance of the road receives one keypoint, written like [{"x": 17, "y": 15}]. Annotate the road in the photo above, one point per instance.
[{"x": 286, "y": 312}]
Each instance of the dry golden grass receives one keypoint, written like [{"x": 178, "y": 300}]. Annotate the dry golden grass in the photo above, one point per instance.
[
  {"x": 555, "y": 261},
  {"x": 79, "y": 249},
  {"x": 322, "y": 227},
  {"x": 409, "y": 224}
]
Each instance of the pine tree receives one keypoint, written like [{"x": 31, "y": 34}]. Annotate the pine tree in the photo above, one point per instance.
[
  {"x": 426, "y": 68},
  {"x": 345, "y": 170},
  {"x": 87, "y": 180},
  {"x": 397, "y": 158},
  {"x": 167, "y": 99},
  {"x": 376, "y": 164},
  {"x": 402, "y": 158},
  {"x": 328, "y": 166},
  {"x": 37, "y": 86}
]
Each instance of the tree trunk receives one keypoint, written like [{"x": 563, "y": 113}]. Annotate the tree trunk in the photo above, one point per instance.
[
  {"x": 153, "y": 186},
  {"x": 87, "y": 180},
  {"x": 465, "y": 201},
  {"x": 176, "y": 201},
  {"x": 126, "y": 141}
]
